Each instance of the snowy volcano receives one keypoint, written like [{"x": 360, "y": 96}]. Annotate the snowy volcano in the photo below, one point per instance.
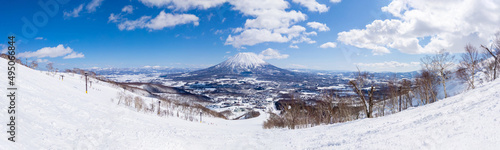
[
  {"x": 243, "y": 61},
  {"x": 244, "y": 65}
]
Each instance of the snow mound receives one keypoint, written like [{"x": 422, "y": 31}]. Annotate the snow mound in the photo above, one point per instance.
[{"x": 243, "y": 60}]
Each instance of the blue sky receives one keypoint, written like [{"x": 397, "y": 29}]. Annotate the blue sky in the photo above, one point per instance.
[{"x": 377, "y": 35}]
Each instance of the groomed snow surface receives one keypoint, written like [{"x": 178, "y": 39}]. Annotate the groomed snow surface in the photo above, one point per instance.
[{"x": 55, "y": 114}]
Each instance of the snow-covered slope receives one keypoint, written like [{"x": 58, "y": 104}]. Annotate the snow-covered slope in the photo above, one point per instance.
[
  {"x": 55, "y": 114},
  {"x": 243, "y": 60}
]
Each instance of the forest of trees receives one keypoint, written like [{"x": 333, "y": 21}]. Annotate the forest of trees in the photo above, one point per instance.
[{"x": 373, "y": 100}]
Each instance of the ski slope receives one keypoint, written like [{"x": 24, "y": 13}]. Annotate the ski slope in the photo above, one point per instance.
[{"x": 55, "y": 114}]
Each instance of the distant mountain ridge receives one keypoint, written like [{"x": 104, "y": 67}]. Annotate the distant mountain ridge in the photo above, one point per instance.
[{"x": 245, "y": 65}]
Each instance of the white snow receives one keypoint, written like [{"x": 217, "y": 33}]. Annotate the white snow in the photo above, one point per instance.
[
  {"x": 55, "y": 114},
  {"x": 243, "y": 60}
]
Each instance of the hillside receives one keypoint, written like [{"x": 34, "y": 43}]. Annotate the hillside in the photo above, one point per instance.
[{"x": 55, "y": 114}]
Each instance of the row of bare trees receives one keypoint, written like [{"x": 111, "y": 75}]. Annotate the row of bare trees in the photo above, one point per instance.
[
  {"x": 297, "y": 114},
  {"x": 373, "y": 99},
  {"x": 474, "y": 61}
]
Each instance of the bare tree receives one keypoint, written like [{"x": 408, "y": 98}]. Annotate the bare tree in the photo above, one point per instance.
[
  {"x": 358, "y": 84},
  {"x": 426, "y": 87},
  {"x": 34, "y": 64},
  {"x": 468, "y": 65},
  {"x": 406, "y": 91},
  {"x": 494, "y": 54},
  {"x": 50, "y": 66},
  {"x": 444, "y": 62},
  {"x": 392, "y": 91},
  {"x": 440, "y": 64}
]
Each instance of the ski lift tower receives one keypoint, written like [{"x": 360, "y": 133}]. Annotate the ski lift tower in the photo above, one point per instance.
[{"x": 86, "y": 82}]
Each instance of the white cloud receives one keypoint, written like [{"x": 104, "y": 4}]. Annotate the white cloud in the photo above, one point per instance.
[
  {"x": 170, "y": 20},
  {"x": 74, "y": 55},
  {"x": 114, "y": 18},
  {"x": 335, "y": 1},
  {"x": 39, "y": 38},
  {"x": 254, "y": 36},
  {"x": 312, "y": 5},
  {"x": 237, "y": 30},
  {"x": 272, "y": 54},
  {"x": 446, "y": 24},
  {"x": 52, "y": 52},
  {"x": 318, "y": 26},
  {"x": 294, "y": 46},
  {"x": 328, "y": 45},
  {"x": 119, "y": 17},
  {"x": 128, "y": 9},
  {"x": 75, "y": 12},
  {"x": 269, "y": 22},
  {"x": 91, "y": 7},
  {"x": 388, "y": 64},
  {"x": 302, "y": 39},
  {"x": 131, "y": 25},
  {"x": 266, "y": 18},
  {"x": 42, "y": 61},
  {"x": 218, "y": 32},
  {"x": 161, "y": 21},
  {"x": 183, "y": 4}
]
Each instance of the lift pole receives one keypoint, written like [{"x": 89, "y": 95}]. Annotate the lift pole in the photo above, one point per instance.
[
  {"x": 86, "y": 83},
  {"x": 159, "y": 107}
]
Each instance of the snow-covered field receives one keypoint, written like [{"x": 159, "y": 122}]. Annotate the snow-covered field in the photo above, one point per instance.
[{"x": 55, "y": 114}]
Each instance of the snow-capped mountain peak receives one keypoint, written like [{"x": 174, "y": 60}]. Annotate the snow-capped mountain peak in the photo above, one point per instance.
[{"x": 243, "y": 60}]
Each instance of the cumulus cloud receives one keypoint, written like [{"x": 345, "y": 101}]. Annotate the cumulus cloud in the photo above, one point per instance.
[
  {"x": 184, "y": 4},
  {"x": 328, "y": 45},
  {"x": 388, "y": 64},
  {"x": 312, "y": 5},
  {"x": 128, "y": 9},
  {"x": 52, "y": 52},
  {"x": 294, "y": 46},
  {"x": 272, "y": 54},
  {"x": 162, "y": 20},
  {"x": 169, "y": 20},
  {"x": 445, "y": 24},
  {"x": 75, "y": 13},
  {"x": 269, "y": 22},
  {"x": 318, "y": 26}
]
